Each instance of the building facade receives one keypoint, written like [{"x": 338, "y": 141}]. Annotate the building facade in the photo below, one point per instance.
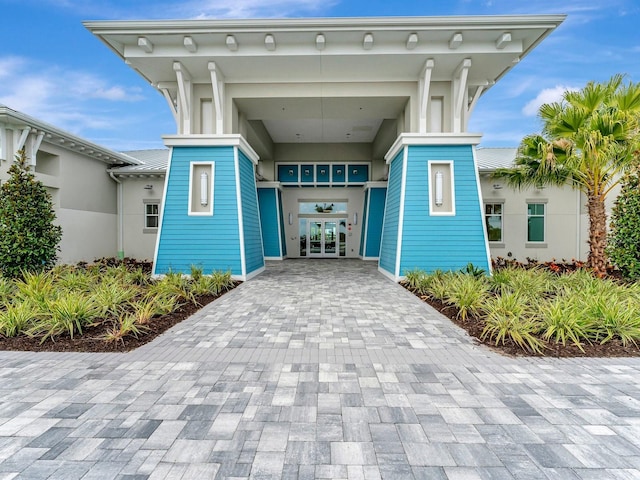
[{"x": 323, "y": 137}]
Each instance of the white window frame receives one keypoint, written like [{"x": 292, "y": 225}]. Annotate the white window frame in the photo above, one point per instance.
[
  {"x": 537, "y": 243},
  {"x": 431, "y": 164},
  {"x": 209, "y": 211},
  {"x": 147, "y": 228},
  {"x": 495, "y": 202}
]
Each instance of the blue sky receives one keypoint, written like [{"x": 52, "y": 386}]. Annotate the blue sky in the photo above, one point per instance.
[{"x": 52, "y": 68}]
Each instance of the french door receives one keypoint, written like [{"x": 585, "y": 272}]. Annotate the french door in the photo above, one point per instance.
[{"x": 323, "y": 238}]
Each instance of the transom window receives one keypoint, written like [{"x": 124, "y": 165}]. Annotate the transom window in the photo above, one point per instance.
[
  {"x": 535, "y": 222},
  {"x": 493, "y": 221},
  {"x": 322, "y": 207}
]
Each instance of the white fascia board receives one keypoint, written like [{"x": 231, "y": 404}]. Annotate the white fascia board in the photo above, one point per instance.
[
  {"x": 407, "y": 139},
  {"x": 369, "y": 185},
  {"x": 142, "y": 27},
  {"x": 206, "y": 140},
  {"x": 277, "y": 185}
]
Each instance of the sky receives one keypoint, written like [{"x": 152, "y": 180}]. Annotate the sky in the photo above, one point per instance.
[{"x": 53, "y": 69}]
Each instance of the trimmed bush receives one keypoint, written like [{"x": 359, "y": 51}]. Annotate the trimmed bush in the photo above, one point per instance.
[{"x": 624, "y": 238}]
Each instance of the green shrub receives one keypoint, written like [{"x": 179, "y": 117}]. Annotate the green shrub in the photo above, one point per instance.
[
  {"x": 36, "y": 288},
  {"x": 563, "y": 320},
  {"x": 125, "y": 325},
  {"x": 508, "y": 316},
  {"x": 67, "y": 314},
  {"x": 28, "y": 238},
  {"x": 16, "y": 319},
  {"x": 111, "y": 296},
  {"x": 623, "y": 246},
  {"x": 467, "y": 293}
]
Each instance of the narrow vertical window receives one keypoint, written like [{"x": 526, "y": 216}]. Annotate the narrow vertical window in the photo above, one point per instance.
[
  {"x": 493, "y": 221},
  {"x": 151, "y": 215},
  {"x": 535, "y": 222}
]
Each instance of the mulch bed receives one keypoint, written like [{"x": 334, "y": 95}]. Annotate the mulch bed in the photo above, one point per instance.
[
  {"x": 474, "y": 327},
  {"x": 92, "y": 338}
]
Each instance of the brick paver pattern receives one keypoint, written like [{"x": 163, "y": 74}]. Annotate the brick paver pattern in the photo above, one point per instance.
[{"x": 317, "y": 369}]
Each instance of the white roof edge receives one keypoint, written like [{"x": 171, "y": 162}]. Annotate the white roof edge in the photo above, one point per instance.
[
  {"x": 328, "y": 24},
  {"x": 20, "y": 119}
]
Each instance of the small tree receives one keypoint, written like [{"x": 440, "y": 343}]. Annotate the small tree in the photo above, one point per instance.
[
  {"x": 624, "y": 239},
  {"x": 28, "y": 238}
]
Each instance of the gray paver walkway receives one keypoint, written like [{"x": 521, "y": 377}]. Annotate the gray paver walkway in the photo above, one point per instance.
[{"x": 317, "y": 369}]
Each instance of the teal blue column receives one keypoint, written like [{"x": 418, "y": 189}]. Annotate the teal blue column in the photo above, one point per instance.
[
  {"x": 223, "y": 235},
  {"x": 429, "y": 229}
]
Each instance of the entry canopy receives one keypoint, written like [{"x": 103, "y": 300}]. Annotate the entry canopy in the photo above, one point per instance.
[{"x": 319, "y": 59}]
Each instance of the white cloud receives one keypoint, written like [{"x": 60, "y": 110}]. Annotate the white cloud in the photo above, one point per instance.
[
  {"x": 547, "y": 95},
  {"x": 72, "y": 100},
  {"x": 252, "y": 8}
]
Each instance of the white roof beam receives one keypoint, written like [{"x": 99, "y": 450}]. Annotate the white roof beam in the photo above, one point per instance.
[
  {"x": 270, "y": 42},
  {"x": 459, "y": 93},
  {"x": 145, "y": 44},
  {"x": 455, "y": 41},
  {"x": 503, "y": 40},
  {"x": 412, "y": 41},
  {"x": 22, "y": 140},
  {"x": 4, "y": 151},
  {"x": 189, "y": 44},
  {"x": 232, "y": 43},
  {"x": 367, "y": 42}
]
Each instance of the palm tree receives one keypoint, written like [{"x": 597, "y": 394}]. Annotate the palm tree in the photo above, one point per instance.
[{"x": 589, "y": 140}]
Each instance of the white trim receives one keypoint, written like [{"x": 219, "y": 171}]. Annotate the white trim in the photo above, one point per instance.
[
  {"x": 481, "y": 204},
  {"x": 255, "y": 190},
  {"x": 378, "y": 184},
  {"x": 277, "y": 185},
  {"x": 389, "y": 275},
  {"x": 403, "y": 188},
  {"x": 405, "y": 139},
  {"x": 255, "y": 273},
  {"x": 280, "y": 223},
  {"x": 368, "y": 258},
  {"x": 161, "y": 212},
  {"x": 211, "y": 191},
  {"x": 208, "y": 140},
  {"x": 243, "y": 260},
  {"x": 267, "y": 259},
  {"x": 365, "y": 221},
  {"x": 452, "y": 212}
]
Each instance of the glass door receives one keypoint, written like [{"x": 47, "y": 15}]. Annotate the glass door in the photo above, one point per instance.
[{"x": 323, "y": 238}]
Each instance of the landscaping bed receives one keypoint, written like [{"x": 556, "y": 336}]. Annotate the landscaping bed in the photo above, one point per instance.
[
  {"x": 534, "y": 310},
  {"x": 108, "y": 306}
]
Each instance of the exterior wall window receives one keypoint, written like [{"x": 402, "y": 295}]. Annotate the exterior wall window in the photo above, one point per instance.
[
  {"x": 151, "y": 215},
  {"x": 493, "y": 221},
  {"x": 535, "y": 222}
]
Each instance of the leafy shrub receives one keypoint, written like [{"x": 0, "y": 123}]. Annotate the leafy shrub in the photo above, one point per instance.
[
  {"x": 509, "y": 316},
  {"x": 467, "y": 293},
  {"x": 69, "y": 313},
  {"x": 112, "y": 295},
  {"x": 28, "y": 238},
  {"x": 563, "y": 320},
  {"x": 124, "y": 326},
  {"x": 624, "y": 239},
  {"x": 16, "y": 319}
]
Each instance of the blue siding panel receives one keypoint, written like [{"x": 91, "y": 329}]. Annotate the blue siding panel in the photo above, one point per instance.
[
  {"x": 254, "y": 257},
  {"x": 374, "y": 221},
  {"x": 210, "y": 242},
  {"x": 442, "y": 242},
  {"x": 268, "y": 201},
  {"x": 389, "y": 244}
]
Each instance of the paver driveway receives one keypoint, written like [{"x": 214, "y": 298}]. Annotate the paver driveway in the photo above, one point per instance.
[{"x": 317, "y": 369}]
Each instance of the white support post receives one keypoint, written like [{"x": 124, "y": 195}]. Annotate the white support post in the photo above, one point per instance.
[
  {"x": 472, "y": 105},
  {"x": 170, "y": 100},
  {"x": 217, "y": 85},
  {"x": 185, "y": 97},
  {"x": 4, "y": 150},
  {"x": 459, "y": 94},
  {"x": 22, "y": 140},
  {"x": 424, "y": 85}
]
